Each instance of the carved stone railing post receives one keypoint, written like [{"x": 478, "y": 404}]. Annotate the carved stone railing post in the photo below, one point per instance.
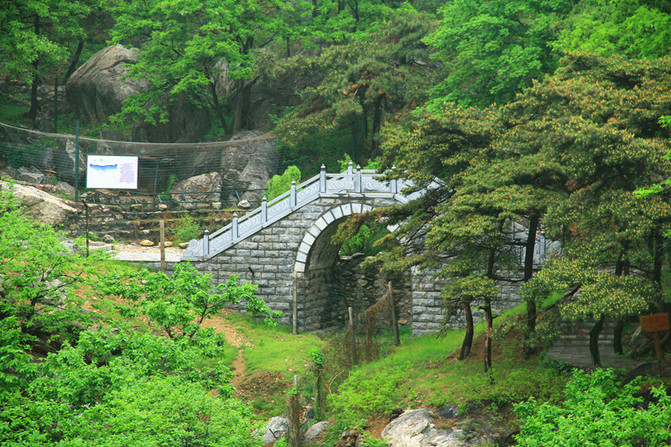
[
  {"x": 293, "y": 194},
  {"x": 206, "y": 243},
  {"x": 322, "y": 179},
  {"x": 264, "y": 210},
  {"x": 234, "y": 227},
  {"x": 359, "y": 180}
]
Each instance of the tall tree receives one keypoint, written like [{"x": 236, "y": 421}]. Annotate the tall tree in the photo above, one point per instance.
[
  {"x": 360, "y": 85},
  {"x": 186, "y": 46},
  {"x": 493, "y": 49},
  {"x": 35, "y": 37},
  {"x": 633, "y": 28}
]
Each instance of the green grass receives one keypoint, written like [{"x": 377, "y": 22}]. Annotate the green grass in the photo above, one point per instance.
[
  {"x": 274, "y": 348},
  {"x": 424, "y": 371},
  {"x": 11, "y": 113}
]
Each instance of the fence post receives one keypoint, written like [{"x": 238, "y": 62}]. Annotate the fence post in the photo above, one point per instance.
[
  {"x": 77, "y": 162},
  {"x": 322, "y": 179},
  {"x": 206, "y": 243},
  {"x": 394, "y": 183},
  {"x": 359, "y": 179},
  {"x": 293, "y": 194},
  {"x": 349, "y": 167},
  {"x": 162, "y": 239},
  {"x": 294, "y": 277},
  {"x": 234, "y": 227},
  {"x": 394, "y": 320},
  {"x": 264, "y": 210},
  {"x": 351, "y": 328}
]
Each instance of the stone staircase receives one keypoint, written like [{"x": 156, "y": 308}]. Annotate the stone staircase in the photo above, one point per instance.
[{"x": 572, "y": 347}]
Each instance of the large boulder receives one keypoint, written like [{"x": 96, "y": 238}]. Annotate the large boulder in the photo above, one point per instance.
[
  {"x": 41, "y": 206},
  {"x": 248, "y": 164},
  {"x": 198, "y": 191},
  {"x": 415, "y": 428},
  {"x": 64, "y": 162},
  {"x": 276, "y": 428},
  {"x": 98, "y": 88}
]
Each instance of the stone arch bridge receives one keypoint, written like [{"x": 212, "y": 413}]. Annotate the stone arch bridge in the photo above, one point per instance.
[{"x": 285, "y": 248}]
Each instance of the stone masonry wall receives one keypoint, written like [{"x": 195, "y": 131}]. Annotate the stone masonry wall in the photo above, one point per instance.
[
  {"x": 427, "y": 311},
  {"x": 268, "y": 259}
]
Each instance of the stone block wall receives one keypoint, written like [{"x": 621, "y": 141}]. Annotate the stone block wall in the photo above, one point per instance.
[{"x": 427, "y": 311}]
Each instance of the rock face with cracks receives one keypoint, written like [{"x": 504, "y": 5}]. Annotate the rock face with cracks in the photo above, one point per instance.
[
  {"x": 99, "y": 87},
  {"x": 415, "y": 428},
  {"x": 41, "y": 206}
]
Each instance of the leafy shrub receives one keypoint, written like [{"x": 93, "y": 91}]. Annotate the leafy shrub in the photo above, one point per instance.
[
  {"x": 598, "y": 410},
  {"x": 364, "y": 241},
  {"x": 187, "y": 228},
  {"x": 279, "y": 184}
]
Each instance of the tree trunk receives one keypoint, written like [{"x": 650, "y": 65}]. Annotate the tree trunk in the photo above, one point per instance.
[
  {"x": 34, "y": 104},
  {"x": 488, "y": 312},
  {"x": 617, "y": 337},
  {"x": 532, "y": 311},
  {"x": 75, "y": 60},
  {"x": 488, "y": 334},
  {"x": 468, "y": 338},
  {"x": 217, "y": 108},
  {"x": 621, "y": 268},
  {"x": 657, "y": 271},
  {"x": 594, "y": 341},
  {"x": 377, "y": 124}
]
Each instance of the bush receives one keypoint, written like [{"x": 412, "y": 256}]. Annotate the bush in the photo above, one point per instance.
[
  {"x": 187, "y": 228},
  {"x": 598, "y": 411},
  {"x": 280, "y": 184}
]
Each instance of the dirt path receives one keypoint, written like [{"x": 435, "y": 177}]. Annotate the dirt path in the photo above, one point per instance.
[
  {"x": 235, "y": 338},
  {"x": 239, "y": 370}
]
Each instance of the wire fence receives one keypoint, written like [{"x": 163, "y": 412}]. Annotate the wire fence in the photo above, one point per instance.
[{"x": 48, "y": 158}]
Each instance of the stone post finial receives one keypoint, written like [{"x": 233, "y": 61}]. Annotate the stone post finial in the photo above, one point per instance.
[
  {"x": 322, "y": 179},
  {"x": 264, "y": 209}
]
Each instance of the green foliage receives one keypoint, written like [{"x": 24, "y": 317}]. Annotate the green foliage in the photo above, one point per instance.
[
  {"x": 367, "y": 240},
  {"x": 172, "y": 180},
  {"x": 37, "y": 272},
  {"x": 359, "y": 85},
  {"x": 37, "y": 34},
  {"x": 279, "y": 184},
  {"x": 164, "y": 411},
  {"x": 598, "y": 410},
  {"x": 187, "y": 228},
  {"x": 178, "y": 304},
  {"x": 494, "y": 49},
  {"x": 63, "y": 383},
  {"x": 183, "y": 51},
  {"x": 419, "y": 373},
  {"x": 634, "y": 28}
]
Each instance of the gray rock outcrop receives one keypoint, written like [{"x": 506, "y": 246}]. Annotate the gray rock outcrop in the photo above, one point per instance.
[
  {"x": 315, "y": 432},
  {"x": 276, "y": 428},
  {"x": 250, "y": 166},
  {"x": 98, "y": 88},
  {"x": 197, "y": 191},
  {"x": 41, "y": 206},
  {"x": 415, "y": 428}
]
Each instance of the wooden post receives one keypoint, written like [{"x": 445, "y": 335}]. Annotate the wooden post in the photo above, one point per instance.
[
  {"x": 351, "y": 328},
  {"x": 394, "y": 320},
  {"x": 162, "y": 222},
  {"x": 86, "y": 207},
  {"x": 294, "y": 437},
  {"x": 294, "y": 277}
]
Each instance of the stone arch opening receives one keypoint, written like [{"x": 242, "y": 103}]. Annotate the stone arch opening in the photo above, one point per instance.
[
  {"x": 324, "y": 286},
  {"x": 314, "y": 268}
]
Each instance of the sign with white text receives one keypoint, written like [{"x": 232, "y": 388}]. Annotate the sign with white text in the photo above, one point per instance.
[{"x": 111, "y": 172}]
